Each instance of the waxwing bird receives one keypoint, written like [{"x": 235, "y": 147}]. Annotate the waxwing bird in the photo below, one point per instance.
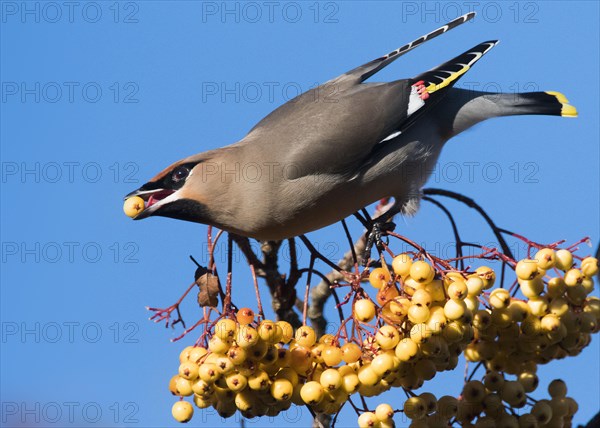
[{"x": 337, "y": 148}]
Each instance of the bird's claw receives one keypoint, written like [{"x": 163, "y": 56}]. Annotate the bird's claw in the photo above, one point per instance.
[{"x": 379, "y": 229}]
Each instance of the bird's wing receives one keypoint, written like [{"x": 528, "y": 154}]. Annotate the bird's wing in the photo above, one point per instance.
[
  {"x": 438, "y": 80},
  {"x": 332, "y": 130},
  {"x": 361, "y": 73}
]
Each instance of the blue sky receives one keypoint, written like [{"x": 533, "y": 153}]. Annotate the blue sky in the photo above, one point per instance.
[{"x": 97, "y": 97}]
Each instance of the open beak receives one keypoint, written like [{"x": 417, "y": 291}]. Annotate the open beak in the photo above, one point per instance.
[{"x": 153, "y": 199}]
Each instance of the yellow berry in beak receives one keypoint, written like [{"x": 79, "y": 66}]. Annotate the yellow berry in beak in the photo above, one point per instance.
[{"x": 133, "y": 206}]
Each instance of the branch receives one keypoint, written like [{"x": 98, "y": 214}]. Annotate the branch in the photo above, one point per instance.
[{"x": 321, "y": 292}]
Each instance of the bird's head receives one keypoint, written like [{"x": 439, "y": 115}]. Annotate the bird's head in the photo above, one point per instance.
[{"x": 175, "y": 192}]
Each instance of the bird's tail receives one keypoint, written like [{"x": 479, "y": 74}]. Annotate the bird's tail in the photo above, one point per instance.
[
  {"x": 548, "y": 103},
  {"x": 465, "y": 108}
]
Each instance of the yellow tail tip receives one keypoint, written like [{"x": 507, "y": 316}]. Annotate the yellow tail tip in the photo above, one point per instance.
[
  {"x": 568, "y": 111},
  {"x": 559, "y": 96}
]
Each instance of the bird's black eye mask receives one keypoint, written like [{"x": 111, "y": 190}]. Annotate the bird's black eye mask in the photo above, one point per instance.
[{"x": 172, "y": 180}]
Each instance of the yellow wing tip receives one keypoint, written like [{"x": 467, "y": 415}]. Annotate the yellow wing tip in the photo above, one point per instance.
[
  {"x": 559, "y": 96},
  {"x": 568, "y": 110},
  {"x": 433, "y": 87}
]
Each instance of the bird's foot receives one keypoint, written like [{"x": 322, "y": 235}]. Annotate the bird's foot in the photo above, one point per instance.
[
  {"x": 421, "y": 90},
  {"x": 379, "y": 229}
]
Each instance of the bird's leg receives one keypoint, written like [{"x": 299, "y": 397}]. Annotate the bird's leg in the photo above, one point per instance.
[{"x": 377, "y": 229}]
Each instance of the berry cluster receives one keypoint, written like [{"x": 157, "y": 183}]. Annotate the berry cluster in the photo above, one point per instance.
[{"x": 424, "y": 316}]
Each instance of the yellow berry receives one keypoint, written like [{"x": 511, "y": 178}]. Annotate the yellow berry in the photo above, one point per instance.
[
  {"x": 527, "y": 420},
  {"x": 526, "y": 269},
  {"x": 185, "y": 354},
  {"x": 557, "y": 388},
  {"x": 306, "y": 336},
  {"x": 545, "y": 258},
  {"x": 447, "y": 407},
  {"x": 419, "y": 333},
  {"x": 270, "y": 331},
  {"x": 208, "y": 372},
  {"x": 387, "y": 293},
  {"x": 410, "y": 285},
  {"x": 453, "y": 332},
  {"x": 418, "y": 314},
  {"x": 188, "y": 370},
  {"x": 247, "y": 336},
  {"x": 473, "y": 391},
  {"x": 203, "y": 403},
  {"x": 301, "y": 359},
  {"x": 587, "y": 284},
  {"x": 259, "y": 380},
  {"x": 282, "y": 389},
  {"x": 488, "y": 276},
  {"x": 350, "y": 382},
  {"x": 436, "y": 290},
  {"x": 550, "y": 322},
  {"x": 382, "y": 364},
  {"x": 223, "y": 363},
  {"x": 384, "y": 412},
  {"x": 422, "y": 271},
  {"x": 560, "y": 407},
  {"x": 454, "y": 309},
  {"x": 563, "y": 259},
  {"x": 330, "y": 379},
  {"x": 518, "y": 310},
  {"x": 494, "y": 381},
  {"x": 530, "y": 381},
  {"x": 401, "y": 264},
  {"x": 406, "y": 350},
  {"x": 332, "y": 355},
  {"x": 474, "y": 285},
  {"x": 573, "y": 277},
  {"x": 350, "y": 353},
  {"x": 379, "y": 277},
  {"x": 577, "y": 294},
  {"x": 589, "y": 266},
  {"x": 236, "y": 381},
  {"x": 387, "y": 337},
  {"x": 367, "y": 420},
  {"x": 183, "y": 386},
  {"x": 182, "y": 411},
  {"x": 287, "y": 331},
  {"x": 226, "y": 329},
  {"x": 458, "y": 290},
  {"x": 197, "y": 354},
  {"x": 538, "y": 306},
  {"x": 218, "y": 346},
  {"x": 364, "y": 310},
  {"x": 500, "y": 298},
  {"x": 513, "y": 393},
  {"x": 556, "y": 287},
  {"x": 542, "y": 411},
  {"x": 430, "y": 401},
  {"x": 367, "y": 376},
  {"x": 133, "y": 206},
  {"x": 421, "y": 298},
  {"x": 289, "y": 374},
  {"x": 244, "y": 401},
  {"x": 312, "y": 393},
  {"x": 436, "y": 321},
  {"x": 531, "y": 288},
  {"x": 415, "y": 408}
]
